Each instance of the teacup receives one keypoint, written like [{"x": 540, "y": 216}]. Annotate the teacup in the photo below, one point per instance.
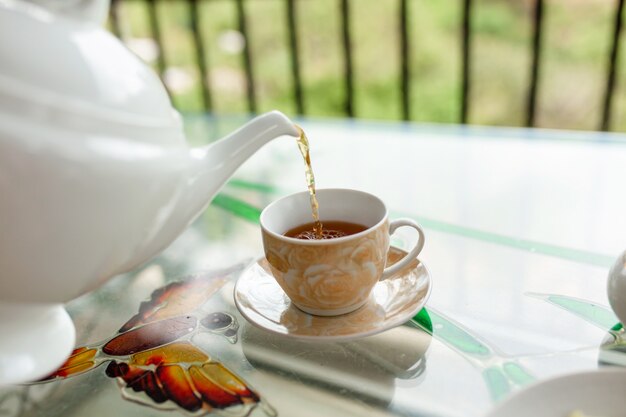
[{"x": 332, "y": 276}]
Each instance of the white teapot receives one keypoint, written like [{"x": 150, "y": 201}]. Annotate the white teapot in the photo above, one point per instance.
[{"x": 95, "y": 175}]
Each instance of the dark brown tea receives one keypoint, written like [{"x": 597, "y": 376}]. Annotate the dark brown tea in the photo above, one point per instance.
[{"x": 332, "y": 229}]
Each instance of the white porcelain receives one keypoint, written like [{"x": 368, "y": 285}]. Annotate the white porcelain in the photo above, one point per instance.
[
  {"x": 329, "y": 277},
  {"x": 38, "y": 351},
  {"x": 95, "y": 174},
  {"x": 594, "y": 393},
  {"x": 392, "y": 302},
  {"x": 93, "y": 10},
  {"x": 616, "y": 287}
]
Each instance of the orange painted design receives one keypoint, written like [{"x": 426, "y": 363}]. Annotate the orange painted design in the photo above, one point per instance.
[
  {"x": 138, "y": 380},
  {"x": 80, "y": 368},
  {"x": 175, "y": 299},
  {"x": 211, "y": 383},
  {"x": 182, "y": 373},
  {"x": 148, "y": 356},
  {"x": 218, "y": 373},
  {"x": 122, "y": 370},
  {"x": 177, "y": 387},
  {"x": 80, "y": 361},
  {"x": 79, "y": 356},
  {"x": 149, "y": 384},
  {"x": 180, "y": 352},
  {"x": 210, "y": 392}
]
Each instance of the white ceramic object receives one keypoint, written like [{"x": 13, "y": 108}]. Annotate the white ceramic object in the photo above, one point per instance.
[
  {"x": 95, "y": 174},
  {"x": 594, "y": 393},
  {"x": 616, "y": 288},
  {"x": 392, "y": 302},
  {"x": 45, "y": 322}
]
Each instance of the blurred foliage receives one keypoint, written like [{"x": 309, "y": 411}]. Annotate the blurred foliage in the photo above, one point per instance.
[{"x": 576, "y": 42}]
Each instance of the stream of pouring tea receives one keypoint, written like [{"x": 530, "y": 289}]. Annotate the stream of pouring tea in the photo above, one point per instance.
[{"x": 303, "y": 145}]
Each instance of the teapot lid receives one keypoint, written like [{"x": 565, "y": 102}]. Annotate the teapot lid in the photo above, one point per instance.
[{"x": 73, "y": 74}]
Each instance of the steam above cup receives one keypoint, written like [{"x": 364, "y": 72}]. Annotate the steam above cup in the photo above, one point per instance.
[{"x": 332, "y": 276}]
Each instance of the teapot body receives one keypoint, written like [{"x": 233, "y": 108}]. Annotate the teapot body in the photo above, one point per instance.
[
  {"x": 77, "y": 209},
  {"x": 93, "y": 159},
  {"x": 92, "y": 154}
]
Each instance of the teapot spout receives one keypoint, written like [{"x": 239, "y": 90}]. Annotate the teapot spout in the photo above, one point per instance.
[
  {"x": 214, "y": 164},
  {"x": 195, "y": 178}
]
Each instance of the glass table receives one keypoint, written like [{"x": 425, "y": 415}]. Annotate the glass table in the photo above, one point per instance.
[{"x": 521, "y": 229}]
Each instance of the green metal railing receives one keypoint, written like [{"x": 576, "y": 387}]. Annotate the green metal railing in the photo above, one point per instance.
[{"x": 347, "y": 41}]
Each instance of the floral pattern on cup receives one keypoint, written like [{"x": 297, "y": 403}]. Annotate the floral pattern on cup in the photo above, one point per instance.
[{"x": 331, "y": 276}]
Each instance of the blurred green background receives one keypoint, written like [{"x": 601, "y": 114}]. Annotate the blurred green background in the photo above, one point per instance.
[{"x": 574, "y": 58}]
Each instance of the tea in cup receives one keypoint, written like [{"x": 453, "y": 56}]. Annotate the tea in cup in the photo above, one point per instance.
[{"x": 333, "y": 274}]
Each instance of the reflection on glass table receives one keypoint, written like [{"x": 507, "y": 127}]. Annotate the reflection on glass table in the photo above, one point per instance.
[{"x": 521, "y": 229}]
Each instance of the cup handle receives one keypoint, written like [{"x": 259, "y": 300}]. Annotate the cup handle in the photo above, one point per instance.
[{"x": 395, "y": 224}]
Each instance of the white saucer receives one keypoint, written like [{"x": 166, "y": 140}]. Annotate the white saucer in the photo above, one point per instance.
[
  {"x": 594, "y": 393},
  {"x": 263, "y": 303}
]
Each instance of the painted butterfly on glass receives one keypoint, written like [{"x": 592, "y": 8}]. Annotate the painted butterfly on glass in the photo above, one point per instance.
[{"x": 156, "y": 362}]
